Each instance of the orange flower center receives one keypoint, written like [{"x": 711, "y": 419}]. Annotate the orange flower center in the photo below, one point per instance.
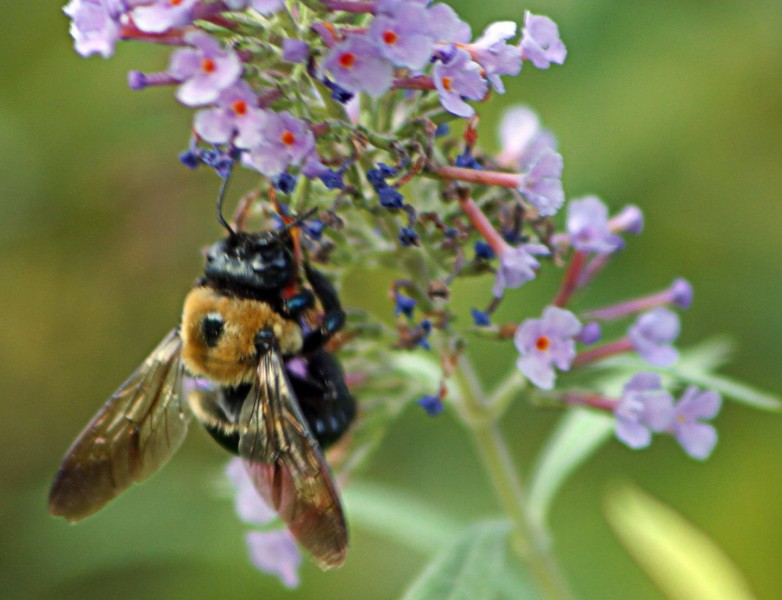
[
  {"x": 175, "y": 2},
  {"x": 446, "y": 83},
  {"x": 347, "y": 60},
  {"x": 239, "y": 107},
  {"x": 390, "y": 37},
  {"x": 288, "y": 138},
  {"x": 208, "y": 65},
  {"x": 543, "y": 343}
]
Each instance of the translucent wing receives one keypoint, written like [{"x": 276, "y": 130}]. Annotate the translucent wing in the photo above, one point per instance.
[
  {"x": 286, "y": 465},
  {"x": 131, "y": 437}
]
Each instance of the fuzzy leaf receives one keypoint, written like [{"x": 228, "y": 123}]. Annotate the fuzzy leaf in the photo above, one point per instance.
[
  {"x": 681, "y": 560},
  {"x": 468, "y": 569},
  {"x": 400, "y": 517}
]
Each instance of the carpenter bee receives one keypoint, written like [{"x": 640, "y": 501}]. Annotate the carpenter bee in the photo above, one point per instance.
[{"x": 276, "y": 396}]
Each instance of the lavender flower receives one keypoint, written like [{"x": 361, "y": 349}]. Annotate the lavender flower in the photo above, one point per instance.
[
  {"x": 495, "y": 55},
  {"x": 236, "y": 113},
  {"x": 404, "y": 37},
  {"x": 587, "y": 225},
  {"x": 267, "y": 7},
  {"x": 275, "y": 552},
  {"x": 698, "y": 439},
  {"x": 94, "y": 25},
  {"x": 294, "y": 51},
  {"x": 681, "y": 293},
  {"x": 446, "y": 26},
  {"x": 546, "y": 343},
  {"x": 631, "y": 220},
  {"x": 517, "y": 266},
  {"x": 162, "y": 15},
  {"x": 205, "y": 70},
  {"x": 284, "y": 141},
  {"x": 542, "y": 184},
  {"x": 522, "y": 138},
  {"x": 540, "y": 43},
  {"x": 645, "y": 408},
  {"x": 458, "y": 79},
  {"x": 357, "y": 65},
  {"x": 652, "y": 336}
]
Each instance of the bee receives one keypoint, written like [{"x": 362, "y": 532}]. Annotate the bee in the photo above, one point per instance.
[{"x": 276, "y": 396}]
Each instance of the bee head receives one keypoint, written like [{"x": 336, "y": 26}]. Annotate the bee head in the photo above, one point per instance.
[{"x": 259, "y": 263}]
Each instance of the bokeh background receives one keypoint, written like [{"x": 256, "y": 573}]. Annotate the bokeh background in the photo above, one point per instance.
[{"x": 674, "y": 105}]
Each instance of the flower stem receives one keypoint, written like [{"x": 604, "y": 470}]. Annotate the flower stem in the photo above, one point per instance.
[{"x": 528, "y": 540}]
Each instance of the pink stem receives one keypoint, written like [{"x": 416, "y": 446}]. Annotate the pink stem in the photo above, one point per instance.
[
  {"x": 630, "y": 307},
  {"x": 482, "y": 224},
  {"x": 350, "y": 7},
  {"x": 591, "y": 400},
  {"x": 570, "y": 282},
  {"x": 595, "y": 354},
  {"x": 509, "y": 180},
  {"x": 421, "y": 82}
]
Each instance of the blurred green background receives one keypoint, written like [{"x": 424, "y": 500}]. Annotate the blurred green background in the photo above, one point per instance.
[{"x": 674, "y": 105}]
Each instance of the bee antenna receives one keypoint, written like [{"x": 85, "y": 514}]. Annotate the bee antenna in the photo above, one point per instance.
[
  {"x": 297, "y": 221},
  {"x": 220, "y": 198}
]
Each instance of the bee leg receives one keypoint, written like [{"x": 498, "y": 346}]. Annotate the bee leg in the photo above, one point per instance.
[
  {"x": 323, "y": 396},
  {"x": 333, "y": 316}
]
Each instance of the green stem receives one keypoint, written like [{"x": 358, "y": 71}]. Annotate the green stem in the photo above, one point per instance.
[{"x": 528, "y": 540}]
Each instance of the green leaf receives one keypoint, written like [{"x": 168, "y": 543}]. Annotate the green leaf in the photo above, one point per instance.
[
  {"x": 579, "y": 434},
  {"x": 730, "y": 388},
  {"x": 679, "y": 558},
  {"x": 695, "y": 368},
  {"x": 468, "y": 569},
  {"x": 399, "y": 517}
]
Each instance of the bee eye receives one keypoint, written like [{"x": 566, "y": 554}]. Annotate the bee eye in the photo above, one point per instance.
[{"x": 212, "y": 328}]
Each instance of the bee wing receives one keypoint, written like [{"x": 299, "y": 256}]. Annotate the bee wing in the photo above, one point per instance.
[
  {"x": 132, "y": 436},
  {"x": 287, "y": 467}
]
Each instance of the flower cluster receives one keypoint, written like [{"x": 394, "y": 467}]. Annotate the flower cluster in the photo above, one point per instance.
[
  {"x": 365, "y": 112},
  {"x": 401, "y": 45}
]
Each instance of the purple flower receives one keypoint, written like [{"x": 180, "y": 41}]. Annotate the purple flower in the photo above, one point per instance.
[
  {"x": 237, "y": 113},
  {"x": 357, "y": 65},
  {"x": 275, "y": 552},
  {"x": 587, "y": 224},
  {"x": 446, "y": 26},
  {"x": 432, "y": 405},
  {"x": 284, "y": 141},
  {"x": 546, "y": 343},
  {"x": 540, "y": 43},
  {"x": 162, "y": 15},
  {"x": 458, "y": 79},
  {"x": 403, "y": 305},
  {"x": 204, "y": 70},
  {"x": 652, "y": 336},
  {"x": 295, "y": 51},
  {"x": 523, "y": 138},
  {"x": 94, "y": 25},
  {"x": 681, "y": 293},
  {"x": 404, "y": 37},
  {"x": 495, "y": 55},
  {"x": 517, "y": 266},
  {"x": 542, "y": 184},
  {"x": 645, "y": 407},
  {"x": 590, "y": 333},
  {"x": 480, "y": 318},
  {"x": 631, "y": 220},
  {"x": 698, "y": 439}
]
